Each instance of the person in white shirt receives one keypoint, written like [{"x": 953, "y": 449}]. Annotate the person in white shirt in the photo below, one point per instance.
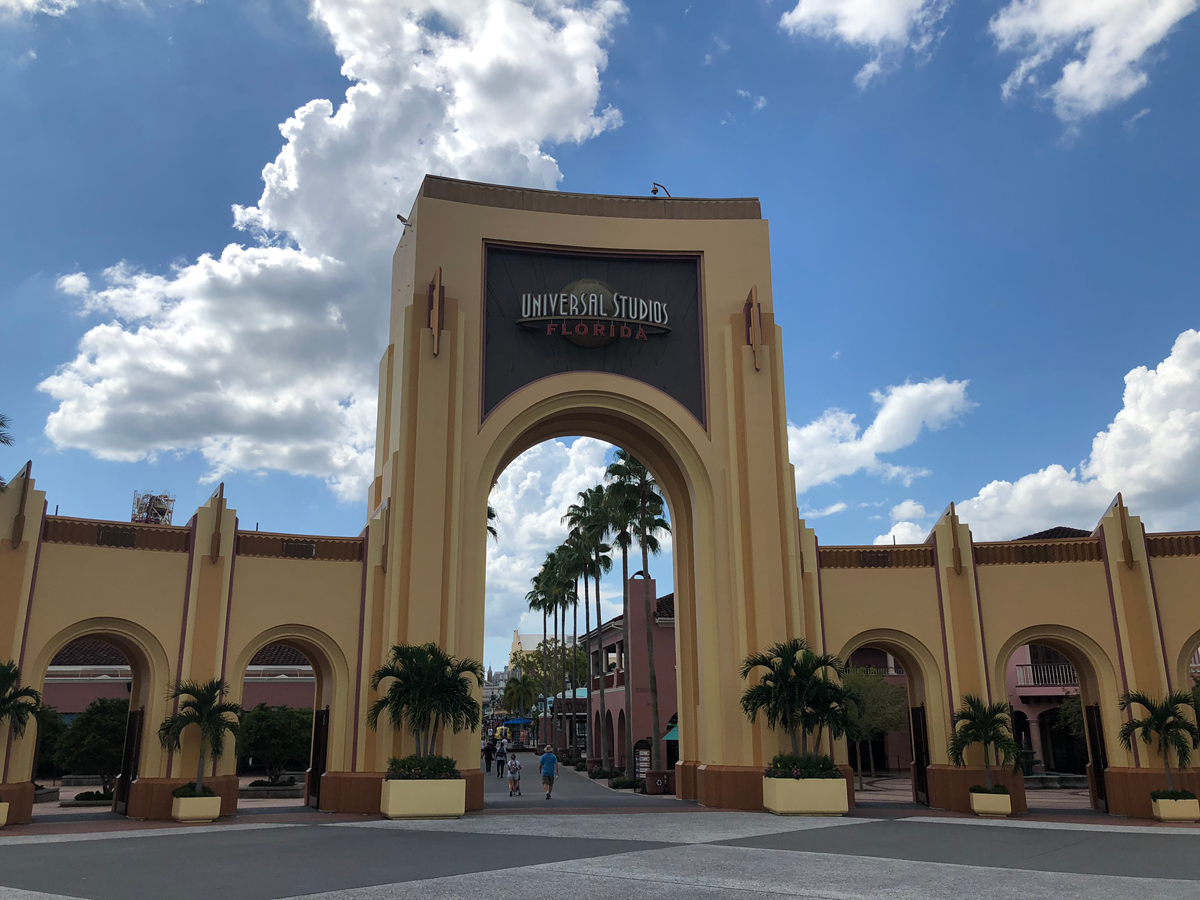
[{"x": 514, "y": 775}]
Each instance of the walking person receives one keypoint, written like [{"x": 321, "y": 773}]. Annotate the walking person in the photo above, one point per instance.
[
  {"x": 489, "y": 750},
  {"x": 549, "y": 766},
  {"x": 501, "y": 758},
  {"x": 514, "y": 775}
]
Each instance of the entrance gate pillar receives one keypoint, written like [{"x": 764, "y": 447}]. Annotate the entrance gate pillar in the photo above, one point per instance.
[{"x": 456, "y": 407}]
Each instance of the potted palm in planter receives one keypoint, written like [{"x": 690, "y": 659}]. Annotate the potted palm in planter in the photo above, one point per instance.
[
  {"x": 1174, "y": 731},
  {"x": 990, "y": 725},
  {"x": 17, "y": 705},
  {"x": 428, "y": 690},
  {"x": 796, "y": 695},
  {"x": 200, "y": 705}
]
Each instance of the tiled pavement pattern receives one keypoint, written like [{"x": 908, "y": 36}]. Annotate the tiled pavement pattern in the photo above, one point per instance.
[{"x": 636, "y": 850}]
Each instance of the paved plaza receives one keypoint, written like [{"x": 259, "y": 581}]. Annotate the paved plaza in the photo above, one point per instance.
[{"x": 589, "y": 842}]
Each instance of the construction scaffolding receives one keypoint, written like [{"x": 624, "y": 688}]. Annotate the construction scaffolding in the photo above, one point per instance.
[{"x": 152, "y": 509}]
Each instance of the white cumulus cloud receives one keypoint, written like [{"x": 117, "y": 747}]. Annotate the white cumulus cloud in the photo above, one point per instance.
[
  {"x": 907, "y": 509},
  {"x": 14, "y": 8},
  {"x": 1102, "y": 47},
  {"x": 903, "y": 533},
  {"x": 833, "y": 445},
  {"x": 1150, "y": 452},
  {"x": 264, "y": 355},
  {"x": 884, "y": 27}
]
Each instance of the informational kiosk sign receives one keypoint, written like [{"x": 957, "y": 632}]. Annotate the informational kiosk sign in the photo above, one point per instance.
[{"x": 550, "y": 311}]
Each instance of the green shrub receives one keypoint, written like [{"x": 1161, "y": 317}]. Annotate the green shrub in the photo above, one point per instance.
[
  {"x": 1172, "y": 795},
  {"x": 787, "y": 765},
  {"x": 189, "y": 790},
  {"x": 94, "y": 795},
  {"x": 423, "y": 768},
  {"x": 94, "y": 743},
  {"x": 994, "y": 789},
  {"x": 622, "y": 782},
  {"x": 604, "y": 773},
  {"x": 277, "y": 737},
  {"x": 581, "y": 766},
  {"x": 290, "y": 781}
]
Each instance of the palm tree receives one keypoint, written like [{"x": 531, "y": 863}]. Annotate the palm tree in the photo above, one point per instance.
[
  {"x": 200, "y": 704},
  {"x": 794, "y": 695},
  {"x": 520, "y": 693},
  {"x": 627, "y": 471},
  {"x": 537, "y": 601},
  {"x": 1167, "y": 722},
  {"x": 989, "y": 724},
  {"x": 17, "y": 704},
  {"x": 577, "y": 555},
  {"x": 589, "y": 519},
  {"x": 429, "y": 688},
  {"x": 621, "y": 505},
  {"x": 6, "y": 438},
  {"x": 491, "y": 517}
]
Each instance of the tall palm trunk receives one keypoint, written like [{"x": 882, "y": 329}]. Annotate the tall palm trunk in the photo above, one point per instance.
[
  {"x": 554, "y": 710},
  {"x": 604, "y": 757},
  {"x": 587, "y": 629},
  {"x": 545, "y": 679},
  {"x": 628, "y": 650},
  {"x": 1166, "y": 751},
  {"x": 655, "y": 734},
  {"x": 200, "y": 769},
  {"x": 987, "y": 766},
  {"x": 574, "y": 664},
  {"x": 562, "y": 678}
]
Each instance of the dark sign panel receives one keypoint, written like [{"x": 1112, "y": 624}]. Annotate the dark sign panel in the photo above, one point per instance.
[{"x": 548, "y": 312}]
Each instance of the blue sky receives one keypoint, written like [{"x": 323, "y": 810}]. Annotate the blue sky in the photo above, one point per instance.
[{"x": 969, "y": 272}]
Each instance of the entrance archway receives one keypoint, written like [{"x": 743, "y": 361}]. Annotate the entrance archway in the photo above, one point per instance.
[
  {"x": 149, "y": 677},
  {"x": 926, "y": 732},
  {"x": 329, "y": 698},
  {"x": 482, "y": 366},
  {"x": 1098, "y": 690},
  {"x": 666, "y": 451}
]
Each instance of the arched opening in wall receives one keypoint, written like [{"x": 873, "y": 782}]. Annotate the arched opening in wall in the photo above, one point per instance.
[
  {"x": 1053, "y": 687},
  {"x": 100, "y": 696},
  {"x": 892, "y": 750},
  {"x": 1188, "y": 677},
  {"x": 287, "y": 693},
  {"x": 561, "y": 647}
]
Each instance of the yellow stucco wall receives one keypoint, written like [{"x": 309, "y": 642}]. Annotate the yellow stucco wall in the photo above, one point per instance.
[{"x": 747, "y": 573}]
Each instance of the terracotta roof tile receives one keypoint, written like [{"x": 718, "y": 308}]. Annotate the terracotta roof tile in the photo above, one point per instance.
[
  {"x": 279, "y": 655},
  {"x": 1056, "y": 533},
  {"x": 89, "y": 652}
]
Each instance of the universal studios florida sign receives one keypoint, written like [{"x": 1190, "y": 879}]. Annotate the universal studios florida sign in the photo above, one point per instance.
[
  {"x": 591, "y": 313},
  {"x": 551, "y": 310}
]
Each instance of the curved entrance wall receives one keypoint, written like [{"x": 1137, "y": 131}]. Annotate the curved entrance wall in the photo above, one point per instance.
[{"x": 196, "y": 601}]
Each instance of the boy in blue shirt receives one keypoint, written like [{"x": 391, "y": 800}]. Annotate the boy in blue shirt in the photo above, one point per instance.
[{"x": 549, "y": 767}]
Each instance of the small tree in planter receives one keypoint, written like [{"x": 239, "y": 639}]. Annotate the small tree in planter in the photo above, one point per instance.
[
  {"x": 429, "y": 690},
  {"x": 1167, "y": 723},
  {"x": 796, "y": 695},
  {"x": 990, "y": 725},
  {"x": 200, "y": 705},
  {"x": 17, "y": 704}
]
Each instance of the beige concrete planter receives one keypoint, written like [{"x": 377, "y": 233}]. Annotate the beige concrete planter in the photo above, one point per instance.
[
  {"x": 442, "y": 798},
  {"x": 193, "y": 810},
  {"x": 1177, "y": 810},
  {"x": 991, "y": 806},
  {"x": 805, "y": 796},
  {"x": 3, "y": 814}
]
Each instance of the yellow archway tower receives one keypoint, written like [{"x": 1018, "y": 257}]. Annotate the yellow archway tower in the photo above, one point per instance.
[{"x": 521, "y": 315}]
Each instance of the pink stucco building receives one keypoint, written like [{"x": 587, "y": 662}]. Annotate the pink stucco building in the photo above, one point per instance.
[{"x": 629, "y": 667}]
